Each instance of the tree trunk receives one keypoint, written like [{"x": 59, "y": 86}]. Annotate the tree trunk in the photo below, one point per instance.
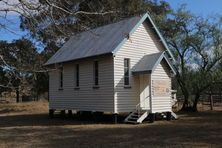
[
  {"x": 211, "y": 102},
  {"x": 185, "y": 106},
  {"x": 197, "y": 97},
  {"x": 37, "y": 97},
  {"x": 17, "y": 95},
  {"x": 185, "y": 103},
  {"x": 185, "y": 92}
]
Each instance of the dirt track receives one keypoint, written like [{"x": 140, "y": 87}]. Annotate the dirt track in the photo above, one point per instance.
[{"x": 28, "y": 125}]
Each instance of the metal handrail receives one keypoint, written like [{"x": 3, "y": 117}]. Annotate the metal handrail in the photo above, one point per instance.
[{"x": 138, "y": 109}]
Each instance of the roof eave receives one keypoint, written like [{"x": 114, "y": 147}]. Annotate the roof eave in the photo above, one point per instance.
[
  {"x": 161, "y": 37},
  {"x": 155, "y": 64},
  {"x": 169, "y": 63},
  {"x": 142, "y": 72},
  {"x": 144, "y": 17},
  {"x": 47, "y": 63}
]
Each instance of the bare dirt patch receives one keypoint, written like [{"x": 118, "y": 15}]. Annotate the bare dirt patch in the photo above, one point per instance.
[{"x": 28, "y": 125}]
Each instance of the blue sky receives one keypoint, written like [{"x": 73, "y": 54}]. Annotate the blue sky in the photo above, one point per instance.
[
  {"x": 200, "y": 7},
  {"x": 14, "y": 25}
]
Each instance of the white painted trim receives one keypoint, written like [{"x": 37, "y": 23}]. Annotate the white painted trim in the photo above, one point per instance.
[
  {"x": 141, "y": 118},
  {"x": 151, "y": 94}
]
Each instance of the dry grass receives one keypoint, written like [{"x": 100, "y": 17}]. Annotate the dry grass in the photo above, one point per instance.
[
  {"x": 24, "y": 108},
  {"x": 27, "y": 125}
]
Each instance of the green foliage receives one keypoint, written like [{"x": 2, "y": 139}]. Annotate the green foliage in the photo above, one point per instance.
[
  {"x": 3, "y": 80},
  {"x": 196, "y": 44},
  {"x": 53, "y": 25},
  {"x": 194, "y": 41},
  {"x": 19, "y": 66}
]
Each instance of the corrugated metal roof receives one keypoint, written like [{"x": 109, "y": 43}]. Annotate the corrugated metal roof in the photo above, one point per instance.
[
  {"x": 94, "y": 42},
  {"x": 149, "y": 62},
  {"x": 101, "y": 40}
]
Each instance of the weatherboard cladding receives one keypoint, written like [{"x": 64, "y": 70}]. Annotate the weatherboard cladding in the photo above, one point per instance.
[
  {"x": 101, "y": 40},
  {"x": 148, "y": 63},
  {"x": 98, "y": 41},
  {"x": 112, "y": 96},
  {"x": 142, "y": 42},
  {"x": 161, "y": 104},
  {"x": 85, "y": 98}
]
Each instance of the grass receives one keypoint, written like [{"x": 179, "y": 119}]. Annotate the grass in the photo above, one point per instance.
[{"x": 27, "y": 125}]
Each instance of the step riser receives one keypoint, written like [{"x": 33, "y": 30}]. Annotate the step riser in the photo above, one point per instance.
[{"x": 134, "y": 117}]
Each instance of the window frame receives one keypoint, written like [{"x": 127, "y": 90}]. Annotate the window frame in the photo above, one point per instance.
[
  {"x": 76, "y": 76},
  {"x": 61, "y": 77},
  {"x": 126, "y": 73},
  {"x": 96, "y": 74}
]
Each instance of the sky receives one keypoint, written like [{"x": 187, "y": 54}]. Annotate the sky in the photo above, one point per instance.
[
  {"x": 204, "y": 8},
  {"x": 200, "y": 7},
  {"x": 14, "y": 26}
]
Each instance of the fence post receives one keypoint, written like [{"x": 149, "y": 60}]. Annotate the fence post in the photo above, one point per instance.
[{"x": 211, "y": 102}]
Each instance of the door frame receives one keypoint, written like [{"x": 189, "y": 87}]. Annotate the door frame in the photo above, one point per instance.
[{"x": 146, "y": 87}]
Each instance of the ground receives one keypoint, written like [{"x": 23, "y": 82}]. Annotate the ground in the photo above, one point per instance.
[{"x": 28, "y": 125}]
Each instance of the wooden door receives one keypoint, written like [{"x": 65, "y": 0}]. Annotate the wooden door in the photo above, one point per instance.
[{"x": 144, "y": 91}]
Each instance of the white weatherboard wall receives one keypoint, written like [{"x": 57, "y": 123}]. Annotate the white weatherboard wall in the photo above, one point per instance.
[
  {"x": 161, "y": 104},
  {"x": 143, "y": 41},
  {"x": 86, "y": 98}
]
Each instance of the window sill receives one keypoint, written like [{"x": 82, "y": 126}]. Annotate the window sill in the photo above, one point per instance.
[
  {"x": 76, "y": 88},
  {"x": 95, "y": 87},
  {"x": 60, "y": 89},
  {"x": 127, "y": 86}
]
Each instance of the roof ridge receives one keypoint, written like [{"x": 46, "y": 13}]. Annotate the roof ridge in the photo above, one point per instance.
[
  {"x": 121, "y": 20},
  {"x": 110, "y": 38}
]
